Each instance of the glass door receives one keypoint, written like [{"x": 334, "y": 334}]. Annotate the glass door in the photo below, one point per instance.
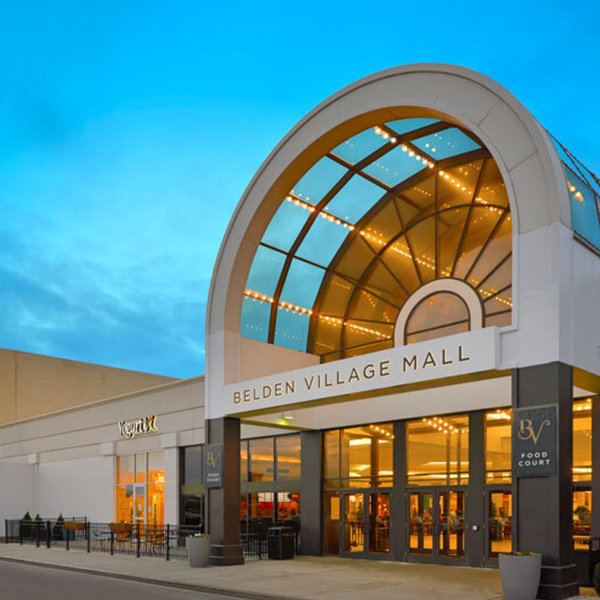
[
  {"x": 499, "y": 522},
  {"x": 354, "y": 524},
  {"x": 437, "y": 524},
  {"x": 366, "y": 524}
]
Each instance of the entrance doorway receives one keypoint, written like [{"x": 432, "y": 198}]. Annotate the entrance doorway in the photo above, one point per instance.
[
  {"x": 437, "y": 524},
  {"x": 365, "y": 524}
]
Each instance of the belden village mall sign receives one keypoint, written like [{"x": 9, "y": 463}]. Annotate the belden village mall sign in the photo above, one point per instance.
[{"x": 460, "y": 354}]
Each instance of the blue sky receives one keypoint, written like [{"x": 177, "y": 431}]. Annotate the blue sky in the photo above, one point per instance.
[{"x": 129, "y": 130}]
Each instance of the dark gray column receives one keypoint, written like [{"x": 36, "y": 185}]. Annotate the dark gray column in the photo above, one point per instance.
[
  {"x": 596, "y": 466},
  {"x": 224, "y": 502},
  {"x": 311, "y": 495},
  {"x": 475, "y": 504},
  {"x": 542, "y": 510},
  {"x": 398, "y": 508}
]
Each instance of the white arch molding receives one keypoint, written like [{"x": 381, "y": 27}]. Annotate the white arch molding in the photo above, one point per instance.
[
  {"x": 528, "y": 162},
  {"x": 455, "y": 286}
]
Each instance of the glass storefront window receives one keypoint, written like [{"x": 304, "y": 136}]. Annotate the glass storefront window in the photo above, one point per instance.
[
  {"x": 438, "y": 450},
  {"x": 125, "y": 469},
  {"x": 262, "y": 467},
  {"x": 244, "y": 461},
  {"x": 359, "y": 456},
  {"x": 498, "y": 424},
  {"x": 582, "y": 440},
  {"x": 288, "y": 507},
  {"x": 288, "y": 457},
  {"x": 192, "y": 465},
  {"x": 140, "y": 468},
  {"x": 582, "y": 518},
  {"x": 156, "y": 468},
  {"x": 140, "y": 501},
  {"x": 500, "y": 523}
]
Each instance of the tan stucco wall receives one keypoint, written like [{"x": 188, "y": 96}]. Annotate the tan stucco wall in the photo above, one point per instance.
[{"x": 32, "y": 384}]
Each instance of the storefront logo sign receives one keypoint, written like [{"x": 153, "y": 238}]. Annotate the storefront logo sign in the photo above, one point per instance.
[
  {"x": 213, "y": 466},
  {"x": 534, "y": 441},
  {"x": 455, "y": 355},
  {"x": 129, "y": 429}
]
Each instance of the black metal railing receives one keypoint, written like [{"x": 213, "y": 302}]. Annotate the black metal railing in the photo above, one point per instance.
[{"x": 134, "y": 539}]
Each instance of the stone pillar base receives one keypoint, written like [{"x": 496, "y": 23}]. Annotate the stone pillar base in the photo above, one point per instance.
[
  {"x": 225, "y": 556},
  {"x": 558, "y": 583}
]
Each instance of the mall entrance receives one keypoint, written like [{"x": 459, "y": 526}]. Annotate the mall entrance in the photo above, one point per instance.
[
  {"x": 365, "y": 524},
  {"x": 436, "y": 529}
]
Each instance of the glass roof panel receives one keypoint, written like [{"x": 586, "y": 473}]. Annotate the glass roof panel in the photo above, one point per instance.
[
  {"x": 367, "y": 307},
  {"x": 479, "y": 228},
  {"x": 492, "y": 189},
  {"x": 444, "y": 144},
  {"x": 501, "y": 301},
  {"x": 318, "y": 181},
  {"x": 451, "y": 224},
  {"x": 381, "y": 281},
  {"x": 439, "y": 309},
  {"x": 359, "y": 146},
  {"x": 355, "y": 260},
  {"x": 302, "y": 284},
  {"x": 357, "y": 333},
  {"x": 335, "y": 297},
  {"x": 584, "y": 209},
  {"x": 265, "y": 270},
  {"x": 255, "y": 319},
  {"x": 354, "y": 199},
  {"x": 368, "y": 348},
  {"x": 456, "y": 186},
  {"x": 421, "y": 237},
  {"x": 498, "y": 247},
  {"x": 291, "y": 330},
  {"x": 382, "y": 226},
  {"x": 285, "y": 225},
  {"x": 322, "y": 241},
  {"x": 399, "y": 259},
  {"x": 405, "y": 125},
  {"x": 394, "y": 167},
  {"x": 499, "y": 279},
  {"x": 327, "y": 335}
]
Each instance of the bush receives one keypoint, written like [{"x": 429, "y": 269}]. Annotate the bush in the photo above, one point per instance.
[{"x": 596, "y": 578}]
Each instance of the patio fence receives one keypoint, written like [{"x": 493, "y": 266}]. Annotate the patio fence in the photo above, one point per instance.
[{"x": 164, "y": 541}]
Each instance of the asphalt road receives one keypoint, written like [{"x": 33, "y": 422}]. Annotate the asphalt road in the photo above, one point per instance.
[{"x": 28, "y": 582}]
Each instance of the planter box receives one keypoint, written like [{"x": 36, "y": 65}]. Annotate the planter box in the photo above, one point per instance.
[
  {"x": 520, "y": 575},
  {"x": 198, "y": 550},
  {"x": 121, "y": 527},
  {"x": 71, "y": 526}
]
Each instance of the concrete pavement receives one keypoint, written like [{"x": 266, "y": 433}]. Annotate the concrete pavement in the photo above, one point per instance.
[{"x": 303, "y": 578}]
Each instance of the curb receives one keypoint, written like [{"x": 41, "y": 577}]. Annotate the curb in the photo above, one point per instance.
[{"x": 160, "y": 582}]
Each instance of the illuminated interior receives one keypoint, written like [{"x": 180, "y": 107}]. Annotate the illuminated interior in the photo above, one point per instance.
[
  {"x": 382, "y": 214},
  {"x": 140, "y": 496}
]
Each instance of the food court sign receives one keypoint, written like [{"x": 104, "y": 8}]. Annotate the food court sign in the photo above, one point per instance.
[
  {"x": 460, "y": 354},
  {"x": 534, "y": 441}
]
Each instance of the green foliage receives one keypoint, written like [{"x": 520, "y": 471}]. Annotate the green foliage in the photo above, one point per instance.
[
  {"x": 37, "y": 517},
  {"x": 27, "y": 516},
  {"x": 596, "y": 578},
  {"x": 60, "y": 519}
]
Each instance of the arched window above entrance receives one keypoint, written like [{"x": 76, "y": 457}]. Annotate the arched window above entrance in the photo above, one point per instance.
[{"x": 439, "y": 308}]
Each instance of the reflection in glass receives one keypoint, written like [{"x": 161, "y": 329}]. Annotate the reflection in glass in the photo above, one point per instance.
[
  {"x": 498, "y": 424},
  {"x": 582, "y": 440},
  {"x": 582, "y": 518},
  {"x": 438, "y": 450},
  {"x": 125, "y": 468},
  {"x": 500, "y": 522},
  {"x": 452, "y": 524},
  {"x": 354, "y": 523},
  {"x": 262, "y": 466},
  {"x": 288, "y": 457},
  {"x": 421, "y": 523}
]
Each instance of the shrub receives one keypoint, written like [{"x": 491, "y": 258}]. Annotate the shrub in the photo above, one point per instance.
[{"x": 596, "y": 578}]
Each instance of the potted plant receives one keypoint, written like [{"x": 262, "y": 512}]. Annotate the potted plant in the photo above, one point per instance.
[
  {"x": 74, "y": 526},
  {"x": 520, "y": 574},
  {"x": 198, "y": 549}
]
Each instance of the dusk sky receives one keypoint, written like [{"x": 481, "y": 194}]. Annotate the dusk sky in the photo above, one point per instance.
[{"x": 129, "y": 130}]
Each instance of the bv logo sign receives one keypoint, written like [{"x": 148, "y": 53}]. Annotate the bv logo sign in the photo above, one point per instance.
[
  {"x": 527, "y": 431},
  {"x": 534, "y": 442}
]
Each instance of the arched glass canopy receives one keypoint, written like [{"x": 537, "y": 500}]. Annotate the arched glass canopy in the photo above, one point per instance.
[{"x": 385, "y": 212}]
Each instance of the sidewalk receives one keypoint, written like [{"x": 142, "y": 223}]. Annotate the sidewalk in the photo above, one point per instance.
[{"x": 306, "y": 578}]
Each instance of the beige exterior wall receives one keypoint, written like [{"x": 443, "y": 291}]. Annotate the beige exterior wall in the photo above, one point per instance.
[{"x": 33, "y": 385}]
